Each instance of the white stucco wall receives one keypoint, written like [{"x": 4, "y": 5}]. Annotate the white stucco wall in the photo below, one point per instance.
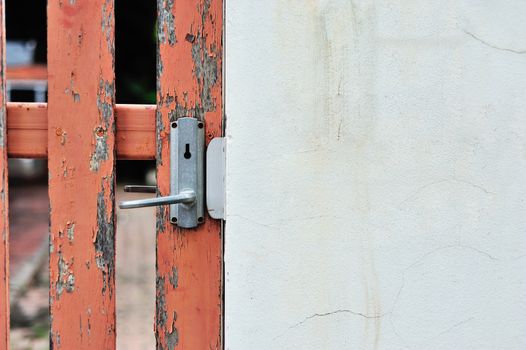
[{"x": 376, "y": 174}]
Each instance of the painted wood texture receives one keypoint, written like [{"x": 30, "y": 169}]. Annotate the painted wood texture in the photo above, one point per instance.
[
  {"x": 189, "y": 266},
  {"x": 81, "y": 137},
  {"x": 32, "y": 72},
  {"x": 27, "y": 130},
  {"x": 4, "y": 222}
]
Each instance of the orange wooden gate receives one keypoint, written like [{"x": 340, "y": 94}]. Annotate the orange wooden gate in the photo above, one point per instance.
[{"x": 82, "y": 132}]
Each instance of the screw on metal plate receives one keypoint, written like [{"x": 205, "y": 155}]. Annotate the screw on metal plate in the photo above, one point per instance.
[{"x": 186, "y": 197}]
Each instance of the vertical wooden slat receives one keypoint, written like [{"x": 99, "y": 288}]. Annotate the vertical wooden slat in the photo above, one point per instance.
[
  {"x": 4, "y": 198},
  {"x": 81, "y": 141},
  {"x": 189, "y": 267}
]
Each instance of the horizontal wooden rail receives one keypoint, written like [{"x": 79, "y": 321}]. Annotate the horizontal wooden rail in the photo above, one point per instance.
[{"x": 27, "y": 131}]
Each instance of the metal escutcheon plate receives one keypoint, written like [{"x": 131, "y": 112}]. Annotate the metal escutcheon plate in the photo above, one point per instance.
[{"x": 187, "y": 157}]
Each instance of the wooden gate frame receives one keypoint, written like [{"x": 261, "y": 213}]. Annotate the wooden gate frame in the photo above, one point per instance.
[{"x": 82, "y": 132}]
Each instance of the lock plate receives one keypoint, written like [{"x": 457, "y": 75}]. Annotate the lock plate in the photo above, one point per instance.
[{"x": 187, "y": 144}]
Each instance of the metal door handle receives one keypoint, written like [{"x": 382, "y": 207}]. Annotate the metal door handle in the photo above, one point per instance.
[
  {"x": 186, "y": 197},
  {"x": 187, "y": 189}
]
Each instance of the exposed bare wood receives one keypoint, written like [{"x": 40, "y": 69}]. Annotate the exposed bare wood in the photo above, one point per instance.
[
  {"x": 81, "y": 143},
  {"x": 189, "y": 296},
  {"x": 27, "y": 130},
  {"x": 82, "y": 132}
]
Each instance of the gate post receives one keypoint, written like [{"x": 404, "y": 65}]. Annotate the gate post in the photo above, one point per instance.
[{"x": 189, "y": 262}]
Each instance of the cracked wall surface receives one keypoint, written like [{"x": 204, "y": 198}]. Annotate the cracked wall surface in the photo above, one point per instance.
[{"x": 376, "y": 174}]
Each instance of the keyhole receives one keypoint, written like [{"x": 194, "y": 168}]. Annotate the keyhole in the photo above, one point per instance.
[{"x": 187, "y": 153}]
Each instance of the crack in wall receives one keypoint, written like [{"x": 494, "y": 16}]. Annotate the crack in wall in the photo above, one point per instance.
[
  {"x": 493, "y": 46},
  {"x": 332, "y": 313}
]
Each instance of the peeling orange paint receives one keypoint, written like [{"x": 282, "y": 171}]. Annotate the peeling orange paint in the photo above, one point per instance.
[
  {"x": 27, "y": 130},
  {"x": 81, "y": 148},
  {"x": 189, "y": 265},
  {"x": 81, "y": 145}
]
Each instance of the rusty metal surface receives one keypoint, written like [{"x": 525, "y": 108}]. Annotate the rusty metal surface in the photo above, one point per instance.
[
  {"x": 81, "y": 138},
  {"x": 4, "y": 222},
  {"x": 189, "y": 84}
]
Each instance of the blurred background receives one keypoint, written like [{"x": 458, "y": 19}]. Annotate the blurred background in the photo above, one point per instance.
[{"x": 28, "y": 197}]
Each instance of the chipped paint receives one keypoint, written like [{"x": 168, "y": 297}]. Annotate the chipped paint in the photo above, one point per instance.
[
  {"x": 161, "y": 134},
  {"x": 159, "y": 73},
  {"x": 161, "y": 314},
  {"x": 65, "y": 279},
  {"x": 70, "y": 90},
  {"x": 172, "y": 338},
  {"x": 190, "y": 38},
  {"x": 101, "y": 149},
  {"x": 82, "y": 252},
  {"x": 166, "y": 21},
  {"x": 174, "y": 278},
  {"x": 189, "y": 84},
  {"x": 106, "y": 107},
  {"x": 105, "y": 239},
  {"x": 2, "y": 125},
  {"x": 161, "y": 219},
  {"x": 106, "y": 102},
  {"x": 108, "y": 27},
  {"x": 71, "y": 231},
  {"x": 54, "y": 340},
  {"x": 64, "y": 138},
  {"x": 205, "y": 70}
]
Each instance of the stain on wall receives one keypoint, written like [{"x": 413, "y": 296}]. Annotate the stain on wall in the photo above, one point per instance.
[{"x": 369, "y": 175}]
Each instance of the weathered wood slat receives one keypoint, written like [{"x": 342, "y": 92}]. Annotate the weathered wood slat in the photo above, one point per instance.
[
  {"x": 27, "y": 130},
  {"x": 31, "y": 72},
  {"x": 135, "y": 131},
  {"x": 81, "y": 141},
  {"x": 4, "y": 222},
  {"x": 189, "y": 266}
]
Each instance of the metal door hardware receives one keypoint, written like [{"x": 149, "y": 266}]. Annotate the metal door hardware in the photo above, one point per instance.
[
  {"x": 186, "y": 197},
  {"x": 140, "y": 189},
  {"x": 215, "y": 178}
]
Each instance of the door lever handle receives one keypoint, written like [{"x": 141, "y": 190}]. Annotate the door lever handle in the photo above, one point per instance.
[{"x": 185, "y": 197}]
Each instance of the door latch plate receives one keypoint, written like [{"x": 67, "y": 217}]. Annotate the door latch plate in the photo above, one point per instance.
[
  {"x": 215, "y": 177},
  {"x": 187, "y": 154}
]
